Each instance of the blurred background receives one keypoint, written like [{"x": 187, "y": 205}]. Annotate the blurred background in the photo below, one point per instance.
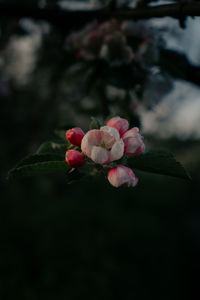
[{"x": 88, "y": 239}]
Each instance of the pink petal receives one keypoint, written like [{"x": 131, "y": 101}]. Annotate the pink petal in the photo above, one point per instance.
[
  {"x": 100, "y": 155},
  {"x": 117, "y": 150},
  {"x": 131, "y": 133},
  {"x": 122, "y": 176},
  {"x": 107, "y": 139},
  {"x": 120, "y": 124},
  {"x": 131, "y": 145},
  {"x": 112, "y": 131},
  {"x": 92, "y": 138},
  {"x": 133, "y": 142}
]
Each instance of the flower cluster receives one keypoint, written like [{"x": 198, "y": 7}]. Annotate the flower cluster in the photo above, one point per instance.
[
  {"x": 110, "y": 41},
  {"x": 106, "y": 145},
  {"x": 105, "y": 41}
]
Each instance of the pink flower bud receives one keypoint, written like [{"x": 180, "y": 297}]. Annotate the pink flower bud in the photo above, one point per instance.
[
  {"x": 122, "y": 176},
  {"x": 120, "y": 124},
  {"x": 133, "y": 142},
  {"x": 75, "y": 136},
  {"x": 74, "y": 158}
]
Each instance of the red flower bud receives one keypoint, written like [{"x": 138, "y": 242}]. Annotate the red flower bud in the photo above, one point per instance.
[
  {"x": 74, "y": 158},
  {"x": 75, "y": 136}
]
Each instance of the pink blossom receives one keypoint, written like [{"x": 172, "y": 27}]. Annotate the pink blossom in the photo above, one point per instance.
[
  {"x": 106, "y": 41},
  {"x": 122, "y": 176},
  {"x": 75, "y": 136},
  {"x": 120, "y": 124},
  {"x": 103, "y": 145},
  {"x": 74, "y": 158},
  {"x": 133, "y": 142}
]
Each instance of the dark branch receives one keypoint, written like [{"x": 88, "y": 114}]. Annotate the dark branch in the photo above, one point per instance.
[
  {"x": 178, "y": 66},
  {"x": 75, "y": 19},
  {"x": 171, "y": 10}
]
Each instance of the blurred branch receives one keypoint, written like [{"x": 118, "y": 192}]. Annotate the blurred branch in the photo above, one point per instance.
[
  {"x": 179, "y": 67},
  {"x": 77, "y": 18}
]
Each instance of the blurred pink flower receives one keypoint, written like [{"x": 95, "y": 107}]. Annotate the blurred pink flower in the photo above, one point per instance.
[
  {"x": 105, "y": 41},
  {"x": 122, "y": 176}
]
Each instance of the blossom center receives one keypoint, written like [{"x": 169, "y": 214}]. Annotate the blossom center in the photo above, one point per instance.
[{"x": 104, "y": 146}]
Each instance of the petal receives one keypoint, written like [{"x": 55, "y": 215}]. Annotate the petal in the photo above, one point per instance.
[
  {"x": 107, "y": 140},
  {"x": 100, "y": 155},
  {"x": 140, "y": 150},
  {"x": 92, "y": 138},
  {"x": 133, "y": 142},
  {"x": 134, "y": 146},
  {"x": 112, "y": 131},
  {"x": 120, "y": 124},
  {"x": 113, "y": 177},
  {"x": 122, "y": 176},
  {"x": 117, "y": 150},
  {"x": 131, "y": 145},
  {"x": 131, "y": 133},
  {"x": 133, "y": 180}
]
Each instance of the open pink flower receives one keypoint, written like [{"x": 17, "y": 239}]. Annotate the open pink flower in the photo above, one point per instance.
[
  {"x": 103, "y": 145},
  {"x": 75, "y": 136},
  {"x": 122, "y": 176},
  {"x": 74, "y": 158},
  {"x": 120, "y": 124},
  {"x": 133, "y": 142}
]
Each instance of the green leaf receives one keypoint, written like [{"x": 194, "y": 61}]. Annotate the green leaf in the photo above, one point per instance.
[
  {"x": 95, "y": 124},
  {"x": 39, "y": 164},
  {"x": 159, "y": 162},
  {"x": 53, "y": 148}
]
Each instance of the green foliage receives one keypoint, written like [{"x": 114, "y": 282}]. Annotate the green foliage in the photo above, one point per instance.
[
  {"x": 49, "y": 158},
  {"x": 159, "y": 162},
  {"x": 39, "y": 164}
]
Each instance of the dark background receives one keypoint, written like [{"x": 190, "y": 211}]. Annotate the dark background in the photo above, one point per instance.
[{"x": 87, "y": 239}]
